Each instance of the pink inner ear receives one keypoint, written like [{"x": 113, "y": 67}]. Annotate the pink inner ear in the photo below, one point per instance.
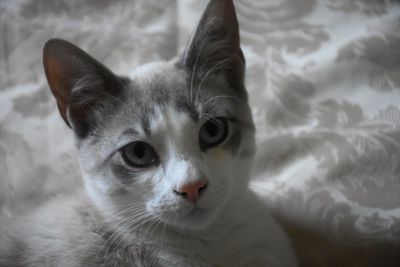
[
  {"x": 227, "y": 9},
  {"x": 56, "y": 77},
  {"x": 64, "y": 65},
  {"x": 230, "y": 19}
]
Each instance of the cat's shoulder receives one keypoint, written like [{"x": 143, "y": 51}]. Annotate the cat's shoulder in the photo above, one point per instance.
[
  {"x": 64, "y": 226},
  {"x": 261, "y": 237},
  {"x": 68, "y": 230}
]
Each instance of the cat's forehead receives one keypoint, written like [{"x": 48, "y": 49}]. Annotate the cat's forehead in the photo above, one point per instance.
[
  {"x": 160, "y": 84},
  {"x": 167, "y": 118},
  {"x": 162, "y": 97},
  {"x": 154, "y": 70},
  {"x": 172, "y": 124},
  {"x": 163, "y": 123},
  {"x": 155, "y": 101},
  {"x": 160, "y": 80},
  {"x": 166, "y": 82}
]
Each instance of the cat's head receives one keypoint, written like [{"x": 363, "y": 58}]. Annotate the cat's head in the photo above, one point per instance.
[{"x": 175, "y": 140}]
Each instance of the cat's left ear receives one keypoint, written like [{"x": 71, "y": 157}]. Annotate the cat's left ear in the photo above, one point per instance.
[
  {"x": 82, "y": 86},
  {"x": 215, "y": 46}
]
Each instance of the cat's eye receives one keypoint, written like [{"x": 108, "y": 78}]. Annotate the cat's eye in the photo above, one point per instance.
[
  {"x": 139, "y": 154},
  {"x": 213, "y": 132}
]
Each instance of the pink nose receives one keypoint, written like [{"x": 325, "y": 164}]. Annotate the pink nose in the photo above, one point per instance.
[{"x": 191, "y": 191}]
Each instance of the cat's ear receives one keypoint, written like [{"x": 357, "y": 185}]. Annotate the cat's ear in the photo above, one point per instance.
[
  {"x": 215, "y": 46},
  {"x": 79, "y": 83}
]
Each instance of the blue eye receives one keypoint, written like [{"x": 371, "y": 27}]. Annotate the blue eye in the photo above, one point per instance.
[
  {"x": 213, "y": 132},
  {"x": 139, "y": 154}
]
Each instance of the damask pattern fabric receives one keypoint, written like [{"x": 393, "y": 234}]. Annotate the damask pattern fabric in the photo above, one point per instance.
[{"x": 324, "y": 84}]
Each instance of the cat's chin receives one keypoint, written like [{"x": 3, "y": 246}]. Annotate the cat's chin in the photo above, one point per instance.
[{"x": 194, "y": 219}]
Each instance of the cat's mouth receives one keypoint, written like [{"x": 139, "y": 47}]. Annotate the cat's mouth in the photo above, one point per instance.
[
  {"x": 196, "y": 212},
  {"x": 196, "y": 217}
]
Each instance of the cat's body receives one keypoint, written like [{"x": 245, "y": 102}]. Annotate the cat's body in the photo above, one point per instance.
[
  {"x": 68, "y": 231},
  {"x": 165, "y": 156}
]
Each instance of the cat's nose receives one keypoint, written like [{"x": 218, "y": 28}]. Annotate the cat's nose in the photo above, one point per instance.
[{"x": 192, "y": 191}]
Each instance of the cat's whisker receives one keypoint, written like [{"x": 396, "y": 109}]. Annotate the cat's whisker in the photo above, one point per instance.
[
  {"x": 214, "y": 68},
  {"x": 121, "y": 238},
  {"x": 157, "y": 228},
  {"x": 80, "y": 86},
  {"x": 124, "y": 87},
  {"x": 146, "y": 231},
  {"x": 127, "y": 210},
  {"x": 207, "y": 116},
  {"x": 137, "y": 224},
  {"x": 137, "y": 203},
  {"x": 118, "y": 229},
  {"x": 113, "y": 225},
  {"x": 115, "y": 99},
  {"x": 123, "y": 215},
  {"x": 163, "y": 232},
  {"x": 131, "y": 204},
  {"x": 195, "y": 66},
  {"x": 128, "y": 217},
  {"x": 218, "y": 97}
]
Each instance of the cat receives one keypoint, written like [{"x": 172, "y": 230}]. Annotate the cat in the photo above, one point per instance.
[{"x": 165, "y": 157}]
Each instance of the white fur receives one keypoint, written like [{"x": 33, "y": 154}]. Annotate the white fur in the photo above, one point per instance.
[
  {"x": 221, "y": 229},
  {"x": 228, "y": 227}
]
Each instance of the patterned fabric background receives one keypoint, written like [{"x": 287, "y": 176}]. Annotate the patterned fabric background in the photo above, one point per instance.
[{"x": 324, "y": 83}]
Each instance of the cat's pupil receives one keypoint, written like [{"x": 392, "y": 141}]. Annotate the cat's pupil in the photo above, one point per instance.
[
  {"x": 139, "y": 150},
  {"x": 212, "y": 129}
]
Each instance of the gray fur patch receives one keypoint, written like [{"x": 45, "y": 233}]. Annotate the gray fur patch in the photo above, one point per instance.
[
  {"x": 125, "y": 175},
  {"x": 233, "y": 143}
]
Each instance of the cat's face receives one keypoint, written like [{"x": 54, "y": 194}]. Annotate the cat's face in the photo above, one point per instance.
[
  {"x": 179, "y": 156},
  {"x": 174, "y": 142}
]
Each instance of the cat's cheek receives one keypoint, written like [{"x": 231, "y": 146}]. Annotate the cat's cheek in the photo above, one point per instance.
[
  {"x": 218, "y": 154},
  {"x": 220, "y": 164},
  {"x": 164, "y": 206},
  {"x": 218, "y": 159}
]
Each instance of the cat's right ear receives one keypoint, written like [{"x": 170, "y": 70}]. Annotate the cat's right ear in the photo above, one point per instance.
[
  {"x": 215, "y": 45},
  {"x": 79, "y": 83}
]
